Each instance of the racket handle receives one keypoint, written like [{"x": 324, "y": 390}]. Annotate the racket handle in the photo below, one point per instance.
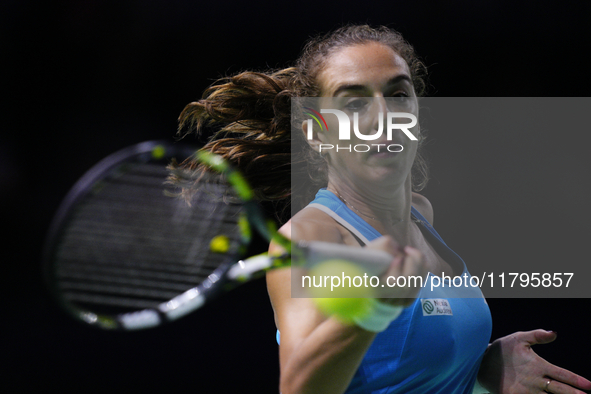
[
  {"x": 246, "y": 269},
  {"x": 309, "y": 254},
  {"x": 373, "y": 262}
]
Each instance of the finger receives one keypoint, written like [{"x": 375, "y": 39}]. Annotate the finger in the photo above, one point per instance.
[
  {"x": 407, "y": 266},
  {"x": 387, "y": 244},
  {"x": 414, "y": 262},
  {"x": 538, "y": 337},
  {"x": 556, "y": 387},
  {"x": 414, "y": 266},
  {"x": 562, "y": 375}
]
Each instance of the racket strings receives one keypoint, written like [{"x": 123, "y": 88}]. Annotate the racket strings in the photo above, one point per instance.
[{"x": 129, "y": 245}]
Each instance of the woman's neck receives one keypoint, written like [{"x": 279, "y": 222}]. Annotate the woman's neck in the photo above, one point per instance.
[{"x": 385, "y": 209}]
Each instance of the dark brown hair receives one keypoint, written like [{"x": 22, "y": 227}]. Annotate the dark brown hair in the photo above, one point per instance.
[{"x": 251, "y": 115}]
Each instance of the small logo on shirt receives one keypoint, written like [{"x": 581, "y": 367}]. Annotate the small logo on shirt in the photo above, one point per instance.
[{"x": 436, "y": 307}]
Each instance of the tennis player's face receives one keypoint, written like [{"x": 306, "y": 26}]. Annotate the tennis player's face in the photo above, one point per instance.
[{"x": 353, "y": 75}]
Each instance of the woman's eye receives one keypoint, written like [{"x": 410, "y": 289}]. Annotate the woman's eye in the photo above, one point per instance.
[
  {"x": 399, "y": 100},
  {"x": 400, "y": 96},
  {"x": 356, "y": 105}
]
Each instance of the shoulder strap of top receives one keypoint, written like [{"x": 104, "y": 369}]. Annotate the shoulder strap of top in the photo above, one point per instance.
[{"x": 340, "y": 221}]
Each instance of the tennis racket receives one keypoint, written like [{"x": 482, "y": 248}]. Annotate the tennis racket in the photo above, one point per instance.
[{"x": 124, "y": 252}]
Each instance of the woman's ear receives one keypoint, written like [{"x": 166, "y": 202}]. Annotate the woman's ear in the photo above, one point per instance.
[{"x": 314, "y": 138}]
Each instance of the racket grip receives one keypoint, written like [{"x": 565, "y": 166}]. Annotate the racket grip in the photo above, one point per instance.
[
  {"x": 373, "y": 262},
  {"x": 245, "y": 270}
]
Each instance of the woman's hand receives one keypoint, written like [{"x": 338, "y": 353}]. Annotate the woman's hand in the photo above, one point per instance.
[
  {"x": 407, "y": 262},
  {"x": 511, "y": 366}
]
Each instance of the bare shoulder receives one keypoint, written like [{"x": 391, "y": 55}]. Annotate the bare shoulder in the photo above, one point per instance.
[
  {"x": 311, "y": 224},
  {"x": 307, "y": 225},
  {"x": 423, "y": 205}
]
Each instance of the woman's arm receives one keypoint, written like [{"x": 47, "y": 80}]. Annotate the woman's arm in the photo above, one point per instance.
[{"x": 319, "y": 354}]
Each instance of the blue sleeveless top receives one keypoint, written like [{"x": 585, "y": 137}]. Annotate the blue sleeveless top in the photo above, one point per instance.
[{"x": 436, "y": 344}]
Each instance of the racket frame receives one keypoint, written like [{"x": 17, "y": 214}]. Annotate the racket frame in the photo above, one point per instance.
[{"x": 186, "y": 302}]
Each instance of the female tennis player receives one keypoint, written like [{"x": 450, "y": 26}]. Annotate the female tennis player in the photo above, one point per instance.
[{"x": 365, "y": 199}]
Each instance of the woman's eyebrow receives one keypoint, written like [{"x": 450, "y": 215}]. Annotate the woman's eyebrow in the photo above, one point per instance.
[
  {"x": 359, "y": 87},
  {"x": 349, "y": 87},
  {"x": 399, "y": 78}
]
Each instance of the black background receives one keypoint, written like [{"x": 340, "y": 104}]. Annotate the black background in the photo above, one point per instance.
[{"x": 85, "y": 78}]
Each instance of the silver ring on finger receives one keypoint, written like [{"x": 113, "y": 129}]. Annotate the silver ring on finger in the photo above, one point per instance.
[{"x": 547, "y": 384}]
